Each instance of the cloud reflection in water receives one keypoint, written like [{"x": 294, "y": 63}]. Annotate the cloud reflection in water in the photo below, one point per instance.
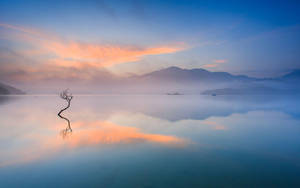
[{"x": 84, "y": 134}]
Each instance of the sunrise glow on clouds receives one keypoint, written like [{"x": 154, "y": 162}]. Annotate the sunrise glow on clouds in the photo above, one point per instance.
[
  {"x": 67, "y": 53},
  {"x": 215, "y": 125},
  {"x": 220, "y": 61},
  {"x": 216, "y": 63},
  {"x": 41, "y": 55},
  {"x": 76, "y": 54},
  {"x": 42, "y": 35},
  {"x": 210, "y": 65}
]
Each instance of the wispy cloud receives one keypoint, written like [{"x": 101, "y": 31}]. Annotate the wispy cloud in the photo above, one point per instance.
[
  {"x": 210, "y": 65},
  {"x": 220, "y": 60},
  {"x": 75, "y": 53},
  {"x": 215, "y": 125},
  {"x": 215, "y": 63},
  {"x": 30, "y": 31},
  {"x": 54, "y": 51}
]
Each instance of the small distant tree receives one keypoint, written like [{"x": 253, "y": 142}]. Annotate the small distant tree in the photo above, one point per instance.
[{"x": 68, "y": 97}]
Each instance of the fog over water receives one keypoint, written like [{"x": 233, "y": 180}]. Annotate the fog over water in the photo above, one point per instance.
[{"x": 147, "y": 140}]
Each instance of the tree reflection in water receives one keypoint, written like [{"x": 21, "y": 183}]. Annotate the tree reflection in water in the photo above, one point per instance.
[{"x": 68, "y": 97}]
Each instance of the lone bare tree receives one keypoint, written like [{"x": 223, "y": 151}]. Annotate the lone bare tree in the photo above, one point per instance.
[{"x": 68, "y": 97}]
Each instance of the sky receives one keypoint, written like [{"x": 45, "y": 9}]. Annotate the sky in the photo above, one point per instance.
[{"x": 87, "y": 40}]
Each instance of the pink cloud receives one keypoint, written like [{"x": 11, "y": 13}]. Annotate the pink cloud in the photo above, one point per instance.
[
  {"x": 220, "y": 61},
  {"x": 210, "y": 65},
  {"x": 66, "y": 53},
  {"x": 215, "y": 125},
  {"x": 215, "y": 63}
]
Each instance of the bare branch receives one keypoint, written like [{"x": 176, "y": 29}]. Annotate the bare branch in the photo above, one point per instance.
[{"x": 68, "y": 97}]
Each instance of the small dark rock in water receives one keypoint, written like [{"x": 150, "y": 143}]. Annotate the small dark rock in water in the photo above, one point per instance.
[
  {"x": 213, "y": 94},
  {"x": 176, "y": 93}
]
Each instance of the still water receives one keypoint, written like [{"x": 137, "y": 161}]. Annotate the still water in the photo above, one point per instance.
[{"x": 150, "y": 141}]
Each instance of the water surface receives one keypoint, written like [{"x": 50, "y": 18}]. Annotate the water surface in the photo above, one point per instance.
[{"x": 150, "y": 141}]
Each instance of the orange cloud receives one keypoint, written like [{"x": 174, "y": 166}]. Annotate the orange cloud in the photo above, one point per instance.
[
  {"x": 58, "y": 52},
  {"x": 78, "y": 54},
  {"x": 215, "y": 64}
]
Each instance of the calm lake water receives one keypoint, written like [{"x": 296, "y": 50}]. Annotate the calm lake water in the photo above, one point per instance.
[{"x": 150, "y": 141}]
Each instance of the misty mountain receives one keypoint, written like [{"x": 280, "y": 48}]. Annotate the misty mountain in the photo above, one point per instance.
[
  {"x": 168, "y": 80},
  {"x": 9, "y": 90},
  {"x": 175, "y": 79},
  {"x": 176, "y": 74},
  {"x": 187, "y": 81},
  {"x": 292, "y": 76},
  {"x": 252, "y": 90},
  {"x": 287, "y": 84}
]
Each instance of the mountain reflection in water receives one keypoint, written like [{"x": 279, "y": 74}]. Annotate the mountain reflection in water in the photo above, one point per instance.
[{"x": 127, "y": 141}]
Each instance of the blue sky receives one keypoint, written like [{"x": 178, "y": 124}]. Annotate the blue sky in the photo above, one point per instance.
[{"x": 257, "y": 38}]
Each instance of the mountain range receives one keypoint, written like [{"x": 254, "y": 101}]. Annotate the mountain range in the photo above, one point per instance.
[
  {"x": 175, "y": 79},
  {"x": 292, "y": 76},
  {"x": 176, "y": 74}
]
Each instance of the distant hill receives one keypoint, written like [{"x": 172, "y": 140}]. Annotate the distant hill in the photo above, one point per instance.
[
  {"x": 191, "y": 81},
  {"x": 287, "y": 84},
  {"x": 292, "y": 76},
  {"x": 176, "y": 74},
  {"x": 9, "y": 90},
  {"x": 219, "y": 83},
  {"x": 250, "y": 91},
  {"x": 176, "y": 80}
]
